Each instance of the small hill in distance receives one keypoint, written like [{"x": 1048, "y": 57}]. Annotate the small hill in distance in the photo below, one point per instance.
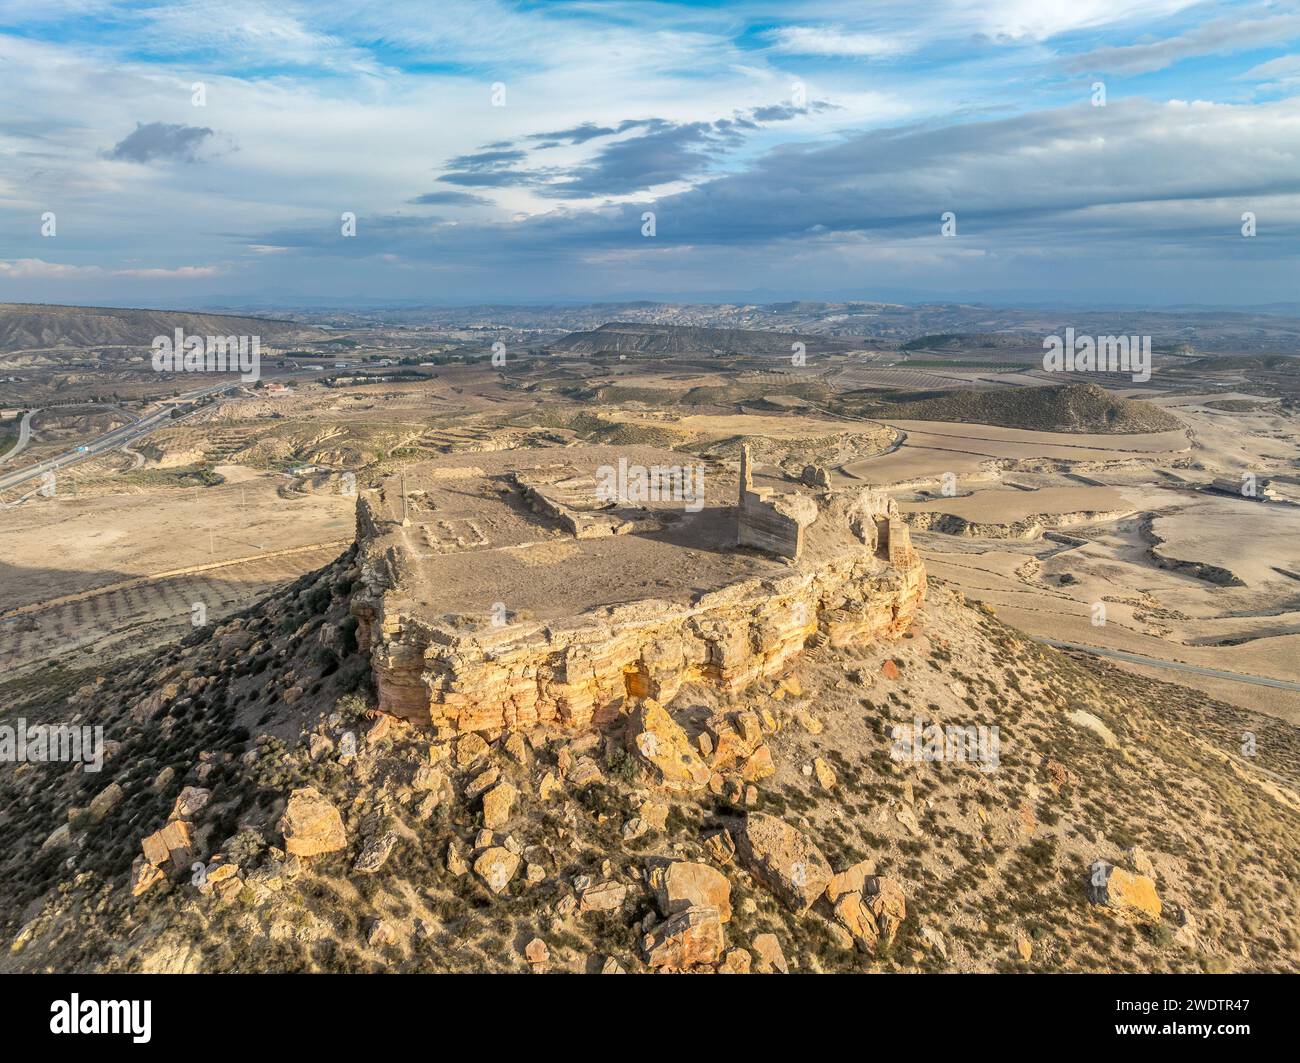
[
  {"x": 964, "y": 341},
  {"x": 1056, "y": 408},
  {"x": 623, "y": 337}
]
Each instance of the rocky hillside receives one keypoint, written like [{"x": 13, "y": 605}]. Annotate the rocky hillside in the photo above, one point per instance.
[
  {"x": 255, "y": 814},
  {"x": 1059, "y": 408}
]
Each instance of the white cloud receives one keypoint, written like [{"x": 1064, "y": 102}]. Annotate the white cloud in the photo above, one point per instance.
[
  {"x": 28, "y": 268},
  {"x": 834, "y": 41},
  {"x": 1222, "y": 36}
]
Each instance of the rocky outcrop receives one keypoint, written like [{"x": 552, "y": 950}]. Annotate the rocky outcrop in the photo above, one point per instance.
[
  {"x": 859, "y": 580},
  {"x": 1124, "y": 891},
  {"x": 311, "y": 825}
]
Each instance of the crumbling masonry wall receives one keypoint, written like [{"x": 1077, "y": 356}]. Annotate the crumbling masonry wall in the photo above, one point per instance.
[{"x": 770, "y": 521}]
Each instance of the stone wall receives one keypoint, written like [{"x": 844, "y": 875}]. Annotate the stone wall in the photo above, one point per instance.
[
  {"x": 581, "y": 671},
  {"x": 770, "y": 521}
]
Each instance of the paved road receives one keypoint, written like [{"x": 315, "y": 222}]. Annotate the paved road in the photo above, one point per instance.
[
  {"x": 1178, "y": 666},
  {"x": 112, "y": 440},
  {"x": 24, "y": 434}
]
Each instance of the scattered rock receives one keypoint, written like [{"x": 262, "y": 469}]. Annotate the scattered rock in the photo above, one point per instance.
[
  {"x": 496, "y": 867},
  {"x": 144, "y": 876},
  {"x": 769, "y": 959},
  {"x": 907, "y": 818},
  {"x": 1140, "y": 862},
  {"x": 603, "y": 897},
  {"x": 826, "y": 776},
  {"x": 61, "y": 835},
  {"x": 375, "y": 853},
  {"x": 481, "y": 783},
  {"x": 932, "y": 939},
  {"x": 470, "y": 749},
  {"x": 191, "y": 801},
  {"x": 737, "y": 961},
  {"x": 310, "y": 825},
  {"x": 1024, "y": 947},
  {"x": 721, "y": 846},
  {"x": 498, "y": 803},
  {"x": 885, "y": 898},
  {"x": 850, "y": 880},
  {"x": 517, "y": 749},
  {"x": 381, "y": 933},
  {"x": 537, "y": 955},
  {"x": 856, "y": 918}
]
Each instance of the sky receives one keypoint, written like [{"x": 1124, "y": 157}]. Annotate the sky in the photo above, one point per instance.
[{"x": 1086, "y": 152}]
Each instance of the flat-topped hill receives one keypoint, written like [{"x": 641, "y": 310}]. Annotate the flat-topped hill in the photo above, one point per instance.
[
  {"x": 1057, "y": 408},
  {"x": 636, "y": 338}
]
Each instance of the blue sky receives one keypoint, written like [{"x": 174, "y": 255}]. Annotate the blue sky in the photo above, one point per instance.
[{"x": 508, "y": 152}]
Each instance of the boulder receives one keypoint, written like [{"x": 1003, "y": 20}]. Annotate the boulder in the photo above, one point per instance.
[
  {"x": 784, "y": 859},
  {"x": 496, "y": 867},
  {"x": 1113, "y": 887},
  {"x": 721, "y": 846},
  {"x": 191, "y": 801},
  {"x": 688, "y": 939},
  {"x": 884, "y": 896},
  {"x": 498, "y": 803},
  {"x": 663, "y": 746},
  {"x": 603, "y": 897},
  {"x": 681, "y": 884},
  {"x": 537, "y": 955},
  {"x": 850, "y": 880},
  {"x": 481, "y": 783},
  {"x": 857, "y": 919},
  {"x": 104, "y": 801},
  {"x": 769, "y": 959},
  {"x": 311, "y": 825},
  {"x": 173, "y": 843}
]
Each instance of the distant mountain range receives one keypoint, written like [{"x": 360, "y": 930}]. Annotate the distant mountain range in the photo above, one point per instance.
[{"x": 29, "y": 326}]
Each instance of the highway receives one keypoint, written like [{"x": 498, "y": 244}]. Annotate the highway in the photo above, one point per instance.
[
  {"x": 109, "y": 441},
  {"x": 1179, "y": 666},
  {"x": 24, "y": 434}
]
